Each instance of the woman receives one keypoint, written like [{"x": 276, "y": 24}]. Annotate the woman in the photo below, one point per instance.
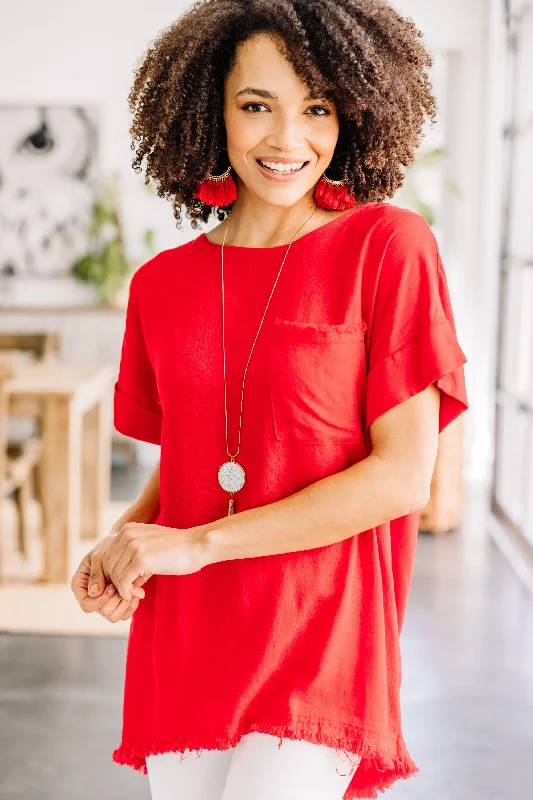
[{"x": 296, "y": 364}]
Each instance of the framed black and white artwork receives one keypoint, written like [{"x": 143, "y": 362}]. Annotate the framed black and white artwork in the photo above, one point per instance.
[{"x": 48, "y": 175}]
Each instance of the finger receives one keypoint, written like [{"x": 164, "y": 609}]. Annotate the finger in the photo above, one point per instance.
[
  {"x": 126, "y": 578},
  {"x": 97, "y": 582},
  {"x": 115, "y": 609},
  {"x": 141, "y": 580},
  {"x": 137, "y": 591},
  {"x": 113, "y": 555},
  {"x": 104, "y": 568},
  {"x": 128, "y": 561},
  {"x": 110, "y": 606},
  {"x": 130, "y": 609},
  {"x": 83, "y": 570},
  {"x": 121, "y": 610},
  {"x": 91, "y": 604},
  {"x": 79, "y": 584},
  {"x": 107, "y": 553},
  {"x": 133, "y": 607},
  {"x": 79, "y": 581}
]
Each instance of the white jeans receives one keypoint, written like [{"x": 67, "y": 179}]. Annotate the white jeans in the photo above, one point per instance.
[{"x": 255, "y": 769}]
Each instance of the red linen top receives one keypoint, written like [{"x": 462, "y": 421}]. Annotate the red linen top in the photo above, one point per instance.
[{"x": 303, "y": 645}]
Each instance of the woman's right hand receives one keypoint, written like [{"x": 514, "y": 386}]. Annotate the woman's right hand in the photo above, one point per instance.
[{"x": 105, "y": 599}]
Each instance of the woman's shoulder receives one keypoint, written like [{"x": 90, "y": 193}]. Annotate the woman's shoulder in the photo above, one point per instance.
[
  {"x": 386, "y": 233},
  {"x": 387, "y": 219},
  {"x": 385, "y": 240},
  {"x": 164, "y": 264}
]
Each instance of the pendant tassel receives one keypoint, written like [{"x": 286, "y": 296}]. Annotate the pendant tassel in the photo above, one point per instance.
[{"x": 231, "y": 509}]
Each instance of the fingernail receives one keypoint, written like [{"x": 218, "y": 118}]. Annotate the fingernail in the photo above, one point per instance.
[
  {"x": 110, "y": 589},
  {"x": 94, "y": 589}
]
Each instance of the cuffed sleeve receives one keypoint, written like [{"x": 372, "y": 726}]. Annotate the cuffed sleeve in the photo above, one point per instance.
[
  {"x": 137, "y": 408},
  {"x": 413, "y": 341},
  {"x": 433, "y": 358},
  {"x": 136, "y": 420}
]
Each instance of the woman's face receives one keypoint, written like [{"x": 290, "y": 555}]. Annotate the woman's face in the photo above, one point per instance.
[{"x": 270, "y": 118}]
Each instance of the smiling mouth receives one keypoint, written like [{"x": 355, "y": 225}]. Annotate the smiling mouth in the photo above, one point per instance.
[{"x": 281, "y": 171}]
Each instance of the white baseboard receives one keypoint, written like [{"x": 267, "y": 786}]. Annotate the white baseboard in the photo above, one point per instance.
[{"x": 516, "y": 558}]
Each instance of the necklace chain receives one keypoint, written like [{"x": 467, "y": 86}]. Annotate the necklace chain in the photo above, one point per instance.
[{"x": 256, "y": 335}]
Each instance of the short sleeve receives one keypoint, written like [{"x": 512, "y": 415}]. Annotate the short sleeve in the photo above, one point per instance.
[
  {"x": 137, "y": 409},
  {"x": 412, "y": 340}
]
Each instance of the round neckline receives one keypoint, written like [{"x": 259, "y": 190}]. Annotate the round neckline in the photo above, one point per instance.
[{"x": 236, "y": 247}]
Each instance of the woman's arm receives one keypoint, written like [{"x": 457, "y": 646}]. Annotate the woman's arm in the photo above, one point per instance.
[
  {"x": 146, "y": 507},
  {"x": 143, "y": 510},
  {"x": 392, "y": 481}
]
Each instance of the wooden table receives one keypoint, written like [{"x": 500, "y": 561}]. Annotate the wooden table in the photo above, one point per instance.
[{"x": 74, "y": 406}]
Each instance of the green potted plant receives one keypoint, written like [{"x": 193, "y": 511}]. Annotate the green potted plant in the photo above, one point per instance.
[{"x": 106, "y": 264}]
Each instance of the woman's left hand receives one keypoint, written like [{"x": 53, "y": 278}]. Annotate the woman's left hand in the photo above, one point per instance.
[{"x": 146, "y": 550}]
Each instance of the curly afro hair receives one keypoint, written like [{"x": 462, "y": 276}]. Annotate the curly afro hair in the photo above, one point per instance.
[{"x": 362, "y": 55}]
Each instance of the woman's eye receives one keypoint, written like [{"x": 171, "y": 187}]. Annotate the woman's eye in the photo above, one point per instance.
[
  {"x": 248, "y": 105},
  {"x": 321, "y": 108},
  {"x": 254, "y": 106}
]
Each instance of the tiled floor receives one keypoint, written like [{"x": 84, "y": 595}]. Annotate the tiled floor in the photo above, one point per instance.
[{"x": 467, "y": 690}]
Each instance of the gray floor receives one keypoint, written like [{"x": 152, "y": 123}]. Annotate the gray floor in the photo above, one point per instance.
[{"x": 467, "y": 690}]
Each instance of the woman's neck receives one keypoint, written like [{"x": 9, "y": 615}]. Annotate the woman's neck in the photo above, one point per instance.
[{"x": 251, "y": 228}]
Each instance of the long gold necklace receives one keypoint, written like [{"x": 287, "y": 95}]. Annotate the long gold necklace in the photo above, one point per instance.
[{"x": 231, "y": 475}]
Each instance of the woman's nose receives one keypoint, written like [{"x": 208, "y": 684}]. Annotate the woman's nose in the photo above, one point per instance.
[{"x": 286, "y": 134}]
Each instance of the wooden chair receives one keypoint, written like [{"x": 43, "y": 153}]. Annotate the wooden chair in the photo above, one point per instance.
[
  {"x": 41, "y": 345},
  {"x": 5, "y": 372},
  {"x": 17, "y": 467}
]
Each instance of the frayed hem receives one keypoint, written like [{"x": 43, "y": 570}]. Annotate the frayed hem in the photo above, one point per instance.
[
  {"x": 376, "y": 769},
  {"x": 371, "y": 790}
]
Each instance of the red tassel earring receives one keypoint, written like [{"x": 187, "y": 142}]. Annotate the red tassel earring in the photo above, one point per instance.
[
  {"x": 218, "y": 190},
  {"x": 333, "y": 194}
]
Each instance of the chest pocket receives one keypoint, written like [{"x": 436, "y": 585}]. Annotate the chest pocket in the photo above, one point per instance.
[{"x": 316, "y": 375}]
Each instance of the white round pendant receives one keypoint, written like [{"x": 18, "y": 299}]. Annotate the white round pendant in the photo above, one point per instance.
[{"x": 231, "y": 476}]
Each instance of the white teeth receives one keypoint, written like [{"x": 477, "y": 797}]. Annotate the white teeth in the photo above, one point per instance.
[{"x": 279, "y": 167}]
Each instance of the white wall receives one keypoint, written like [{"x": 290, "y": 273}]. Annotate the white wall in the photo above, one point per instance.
[
  {"x": 73, "y": 52},
  {"x": 472, "y": 33},
  {"x": 62, "y": 51}
]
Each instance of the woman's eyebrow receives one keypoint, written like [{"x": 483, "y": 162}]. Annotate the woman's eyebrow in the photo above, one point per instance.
[{"x": 270, "y": 95}]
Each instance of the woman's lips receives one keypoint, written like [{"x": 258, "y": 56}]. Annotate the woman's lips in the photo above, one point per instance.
[{"x": 279, "y": 177}]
